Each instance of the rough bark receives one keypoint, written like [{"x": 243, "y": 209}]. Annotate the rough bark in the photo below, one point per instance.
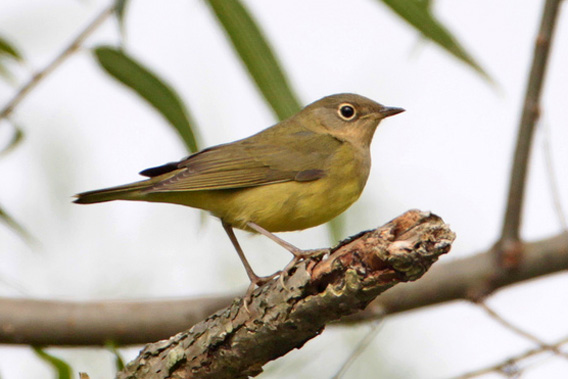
[{"x": 236, "y": 342}]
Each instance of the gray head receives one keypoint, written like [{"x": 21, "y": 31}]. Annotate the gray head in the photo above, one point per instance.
[{"x": 346, "y": 116}]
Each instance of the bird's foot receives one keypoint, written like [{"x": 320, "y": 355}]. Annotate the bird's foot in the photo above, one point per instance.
[
  {"x": 299, "y": 255},
  {"x": 256, "y": 281}
]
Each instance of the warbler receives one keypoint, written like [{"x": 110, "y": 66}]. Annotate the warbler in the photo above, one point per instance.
[{"x": 294, "y": 175}]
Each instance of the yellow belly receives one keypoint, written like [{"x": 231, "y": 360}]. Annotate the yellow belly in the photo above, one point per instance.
[
  {"x": 284, "y": 206},
  {"x": 289, "y": 206}
]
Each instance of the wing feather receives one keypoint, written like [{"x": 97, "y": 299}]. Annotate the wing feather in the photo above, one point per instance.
[{"x": 248, "y": 163}]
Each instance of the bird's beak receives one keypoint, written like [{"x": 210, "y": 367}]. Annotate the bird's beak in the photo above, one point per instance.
[{"x": 390, "y": 111}]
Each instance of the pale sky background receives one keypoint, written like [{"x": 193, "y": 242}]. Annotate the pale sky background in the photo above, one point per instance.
[{"x": 449, "y": 153}]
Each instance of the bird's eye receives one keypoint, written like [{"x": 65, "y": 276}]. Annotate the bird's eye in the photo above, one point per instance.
[{"x": 346, "y": 112}]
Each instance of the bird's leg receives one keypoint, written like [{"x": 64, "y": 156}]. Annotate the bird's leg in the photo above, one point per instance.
[
  {"x": 286, "y": 245},
  {"x": 299, "y": 254},
  {"x": 255, "y": 280}
]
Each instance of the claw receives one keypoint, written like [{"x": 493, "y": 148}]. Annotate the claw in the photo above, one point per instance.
[
  {"x": 256, "y": 281},
  {"x": 284, "y": 272},
  {"x": 299, "y": 255}
]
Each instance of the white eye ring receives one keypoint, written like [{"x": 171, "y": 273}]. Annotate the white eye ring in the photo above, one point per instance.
[{"x": 346, "y": 111}]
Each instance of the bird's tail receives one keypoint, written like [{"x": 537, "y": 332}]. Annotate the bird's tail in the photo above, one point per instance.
[{"x": 125, "y": 192}]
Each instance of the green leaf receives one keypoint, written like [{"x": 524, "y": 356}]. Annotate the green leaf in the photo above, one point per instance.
[
  {"x": 9, "y": 220},
  {"x": 257, "y": 56},
  {"x": 61, "y": 367},
  {"x": 418, "y": 14},
  {"x": 118, "y": 360},
  {"x": 8, "y": 49},
  {"x": 6, "y": 74},
  {"x": 151, "y": 88},
  {"x": 17, "y": 137}
]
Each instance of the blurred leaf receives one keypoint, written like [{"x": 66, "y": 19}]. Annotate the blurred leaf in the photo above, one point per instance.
[
  {"x": 5, "y": 73},
  {"x": 17, "y": 137},
  {"x": 336, "y": 229},
  {"x": 118, "y": 360},
  {"x": 61, "y": 367},
  {"x": 8, "y": 49},
  {"x": 418, "y": 14},
  {"x": 151, "y": 88},
  {"x": 8, "y": 220},
  {"x": 120, "y": 9},
  {"x": 257, "y": 56}
]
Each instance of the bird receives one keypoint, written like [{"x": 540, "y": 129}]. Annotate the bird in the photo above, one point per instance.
[{"x": 297, "y": 174}]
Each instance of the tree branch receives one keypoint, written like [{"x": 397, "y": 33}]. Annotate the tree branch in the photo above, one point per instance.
[
  {"x": 49, "y": 322},
  {"x": 60, "y": 58},
  {"x": 472, "y": 278},
  {"x": 508, "y": 245},
  {"x": 237, "y": 341}
]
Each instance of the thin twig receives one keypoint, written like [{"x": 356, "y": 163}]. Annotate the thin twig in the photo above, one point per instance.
[
  {"x": 507, "y": 364},
  {"x": 521, "y": 332},
  {"x": 360, "y": 348},
  {"x": 552, "y": 179},
  {"x": 531, "y": 109},
  {"x": 68, "y": 51}
]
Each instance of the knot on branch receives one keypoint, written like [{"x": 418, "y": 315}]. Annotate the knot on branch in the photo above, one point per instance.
[{"x": 400, "y": 251}]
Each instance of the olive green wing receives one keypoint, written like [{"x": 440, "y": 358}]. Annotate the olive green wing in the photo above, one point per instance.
[{"x": 248, "y": 163}]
